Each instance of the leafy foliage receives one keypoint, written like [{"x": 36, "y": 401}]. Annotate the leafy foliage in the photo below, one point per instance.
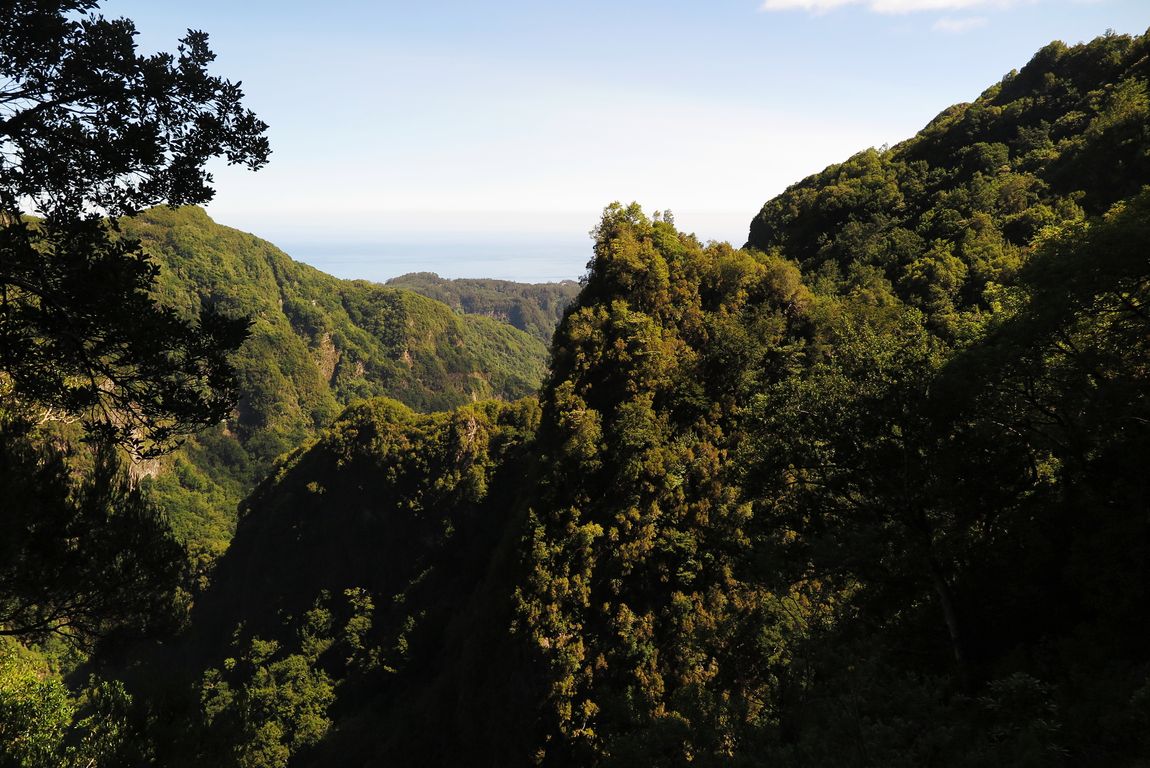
[
  {"x": 86, "y": 122},
  {"x": 79, "y": 556},
  {"x": 264, "y": 709},
  {"x": 90, "y": 129},
  {"x": 42, "y": 723},
  {"x": 80, "y": 335},
  {"x": 87, "y": 126}
]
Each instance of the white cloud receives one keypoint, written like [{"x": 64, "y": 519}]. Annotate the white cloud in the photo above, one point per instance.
[
  {"x": 958, "y": 26},
  {"x": 883, "y": 6}
]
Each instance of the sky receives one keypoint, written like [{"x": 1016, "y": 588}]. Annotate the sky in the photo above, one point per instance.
[{"x": 484, "y": 139}]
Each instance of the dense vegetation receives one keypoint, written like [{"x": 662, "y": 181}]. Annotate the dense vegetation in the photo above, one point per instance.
[
  {"x": 949, "y": 215},
  {"x": 91, "y": 365},
  {"x": 316, "y": 344},
  {"x": 866, "y": 492},
  {"x": 374, "y": 588},
  {"x": 870, "y": 491},
  {"x": 535, "y": 308}
]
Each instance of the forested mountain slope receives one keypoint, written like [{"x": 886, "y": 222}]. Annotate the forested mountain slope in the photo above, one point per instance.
[
  {"x": 535, "y": 308},
  {"x": 317, "y": 343},
  {"x": 947, "y": 216},
  {"x": 870, "y": 491}
]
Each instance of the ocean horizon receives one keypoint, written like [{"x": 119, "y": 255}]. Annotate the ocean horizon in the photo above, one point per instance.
[{"x": 525, "y": 260}]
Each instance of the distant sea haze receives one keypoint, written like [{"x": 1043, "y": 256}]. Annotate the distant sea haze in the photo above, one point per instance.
[{"x": 537, "y": 260}]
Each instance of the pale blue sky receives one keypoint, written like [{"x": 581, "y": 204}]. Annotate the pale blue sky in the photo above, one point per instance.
[{"x": 516, "y": 122}]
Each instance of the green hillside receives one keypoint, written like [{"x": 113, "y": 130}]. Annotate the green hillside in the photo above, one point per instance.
[
  {"x": 867, "y": 492},
  {"x": 948, "y": 215},
  {"x": 317, "y": 343},
  {"x": 535, "y": 308}
]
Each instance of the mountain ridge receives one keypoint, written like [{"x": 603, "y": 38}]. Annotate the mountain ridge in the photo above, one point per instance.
[
  {"x": 317, "y": 344},
  {"x": 820, "y": 471}
]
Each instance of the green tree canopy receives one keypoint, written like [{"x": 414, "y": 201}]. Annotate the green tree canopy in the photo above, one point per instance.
[{"x": 90, "y": 128}]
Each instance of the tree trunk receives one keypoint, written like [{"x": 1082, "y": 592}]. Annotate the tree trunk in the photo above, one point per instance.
[{"x": 950, "y": 615}]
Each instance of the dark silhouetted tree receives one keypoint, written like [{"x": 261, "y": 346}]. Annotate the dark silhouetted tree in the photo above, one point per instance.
[{"x": 91, "y": 129}]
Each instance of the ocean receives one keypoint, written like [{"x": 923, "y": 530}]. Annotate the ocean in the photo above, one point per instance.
[{"x": 540, "y": 259}]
